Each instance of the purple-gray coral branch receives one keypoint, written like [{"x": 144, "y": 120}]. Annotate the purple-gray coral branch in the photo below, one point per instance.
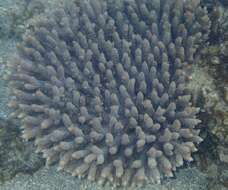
[{"x": 100, "y": 88}]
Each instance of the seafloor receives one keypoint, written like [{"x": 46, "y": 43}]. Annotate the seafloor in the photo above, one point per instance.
[{"x": 22, "y": 169}]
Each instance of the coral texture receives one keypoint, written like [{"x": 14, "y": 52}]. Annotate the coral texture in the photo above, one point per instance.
[{"x": 100, "y": 87}]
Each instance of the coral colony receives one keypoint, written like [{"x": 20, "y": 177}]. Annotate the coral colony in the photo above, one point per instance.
[{"x": 101, "y": 88}]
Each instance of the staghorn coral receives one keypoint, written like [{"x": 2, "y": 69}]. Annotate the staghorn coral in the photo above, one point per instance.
[{"x": 100, "y": 87}]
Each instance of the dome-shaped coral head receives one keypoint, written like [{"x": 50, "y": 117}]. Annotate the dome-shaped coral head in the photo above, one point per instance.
[{"x": 100, "y": 88}]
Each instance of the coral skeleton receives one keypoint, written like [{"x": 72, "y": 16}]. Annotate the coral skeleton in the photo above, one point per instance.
[{"x": 100, "y": 87}]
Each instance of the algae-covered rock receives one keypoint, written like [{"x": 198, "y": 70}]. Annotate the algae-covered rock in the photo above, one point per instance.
[
  {"x": 209, "y": 86},
  {"x": 221, "y": 115},
  {"x": 213, "y": 93}
]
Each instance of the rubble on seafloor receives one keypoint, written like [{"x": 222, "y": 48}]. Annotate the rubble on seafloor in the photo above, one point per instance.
[{"x": 15, "y": 155}]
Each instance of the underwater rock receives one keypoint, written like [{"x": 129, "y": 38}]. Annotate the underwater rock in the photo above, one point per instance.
[
  {"x": 223, "y": 154},
  {"x": 215, "y": 58},
  {"x": 226, "y": 94},
  {"x": 220, "y": 112},
  {"x": 101, "y": 88}
]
